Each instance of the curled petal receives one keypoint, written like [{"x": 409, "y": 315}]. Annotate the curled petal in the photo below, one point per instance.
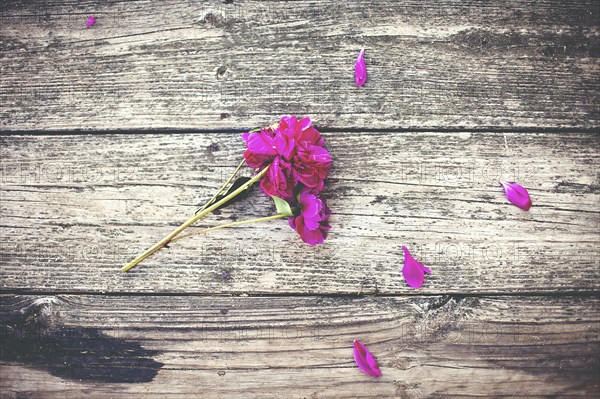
[
  {"x": 319, "y": 154},
  {"x": 311, "y": 237},
  {"x": 365, "y": 360},
  {"x": 360, "y": 69},
  {"x": 260, "y": 144},
  {"x": 311, "y": 208},
  {"x": 305, "y": 123},
  {"x": 284, "y": 146},
  {"x": 517, "y": 195},
  {"x": 310, "y": 136},
  {"x": 91, "y": 21},
  {"x": 413, "y": 271},
  {"x": 256, "y": 160}
]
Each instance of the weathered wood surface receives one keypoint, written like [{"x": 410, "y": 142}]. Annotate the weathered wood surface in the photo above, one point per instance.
[
  {"x": 215, "y": 64},
  {"x": 512, "y": 306},
  {"x": 299, "y": 347},
  {"x": 76, "y": 208}
]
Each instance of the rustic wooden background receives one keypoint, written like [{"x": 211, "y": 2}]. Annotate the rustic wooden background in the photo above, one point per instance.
[{"x": 114, "y": 135}]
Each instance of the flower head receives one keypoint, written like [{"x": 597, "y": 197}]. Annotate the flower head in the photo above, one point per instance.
[
  {"x": 295, "y": 151},
  {"x": 413, "y": 271},
  {"x": 311, "y": 223}
]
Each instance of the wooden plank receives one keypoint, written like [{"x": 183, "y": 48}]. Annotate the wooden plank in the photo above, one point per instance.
[
  {"x": 98, "y": 346},
  {"x": 76, "y": 208},
  {"x": 215, "y": 64}
]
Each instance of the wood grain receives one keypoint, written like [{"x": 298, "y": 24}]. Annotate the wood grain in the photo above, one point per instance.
[
  {"x": 214, "y": 64},
  {"x": 299, "y": 347},
  {"x": 76, "y": 208}
]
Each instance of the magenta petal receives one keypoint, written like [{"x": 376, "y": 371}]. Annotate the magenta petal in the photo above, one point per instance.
[
  {"x": 91, "y": 21},
  {"x": 283, "y": 146},
  {"x": 305, "y": 123},
  {"x": 319, "y": 154},
  {"x": 413, "y": 271},
  {"x": 292, "y": 222},
  {"x": 310, "y": 204},
  {"x": 260, "y": 144},
  {"x": 360, "y": 69},
  {"x": 312, "y": 237},
  {"x": 365, "y": 361},
  {"x": 517, "y": 195}
]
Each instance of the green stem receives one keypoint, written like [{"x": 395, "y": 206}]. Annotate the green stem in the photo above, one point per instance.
[
  {"x": 192, "y": 220},
  {"x": 233, "y": 224},
  {"x": 223, "y": 186}
]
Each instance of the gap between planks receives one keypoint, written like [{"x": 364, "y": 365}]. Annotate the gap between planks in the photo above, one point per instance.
[
  {"x": 244, "y": 129},
  {"x": 447, "y": 295}
]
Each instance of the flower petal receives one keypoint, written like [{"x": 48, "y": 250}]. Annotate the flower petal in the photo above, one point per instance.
[
  {"x": 260, "y": 144},
  {"x": 311, "y": 237},
  {"x": 319, "y": 154},
  {"x": 91, "y": 21},
  {"x": 284, "y": 146},
  {"x": 413, "y": 271},
  {"x": 365, "y": 360},
  {"x": 517, "y": 195},
  {"x": 305, "y": 123},
  {"x": 360, "y": 69}
]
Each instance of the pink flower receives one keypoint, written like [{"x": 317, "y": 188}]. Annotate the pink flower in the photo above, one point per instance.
[
  {"x": 294, "y": 149},
  {"x": 365, "y": 360},
  {"x": 91, "y": 21},
  {"x": 517, "y": 195},
  {"x": 311, "y": 223},
  {"x": 360, "y": 69},
  {"x": 413, "y": 271}
]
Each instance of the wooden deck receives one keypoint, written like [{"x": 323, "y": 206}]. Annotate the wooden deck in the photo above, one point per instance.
[{"x": 114, "y": 135}]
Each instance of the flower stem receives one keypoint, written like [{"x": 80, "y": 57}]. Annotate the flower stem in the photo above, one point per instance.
[
  {"x": 192, "y": 220},
  {"x": 233, "y": 224},
  {"x": 223, "y": 186}
]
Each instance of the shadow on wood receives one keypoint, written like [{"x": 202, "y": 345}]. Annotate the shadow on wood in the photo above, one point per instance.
[{"x": 35, "y": 337}]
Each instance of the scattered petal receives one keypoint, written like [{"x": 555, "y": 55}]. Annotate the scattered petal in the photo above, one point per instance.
[
  {"x": 517, "y": 195},
  {"x": 360, "y": 69},
  {"x": 365, "y": 361},
  {"x": 91, "y": 21},
  {"x": 413, "y": 271}
]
